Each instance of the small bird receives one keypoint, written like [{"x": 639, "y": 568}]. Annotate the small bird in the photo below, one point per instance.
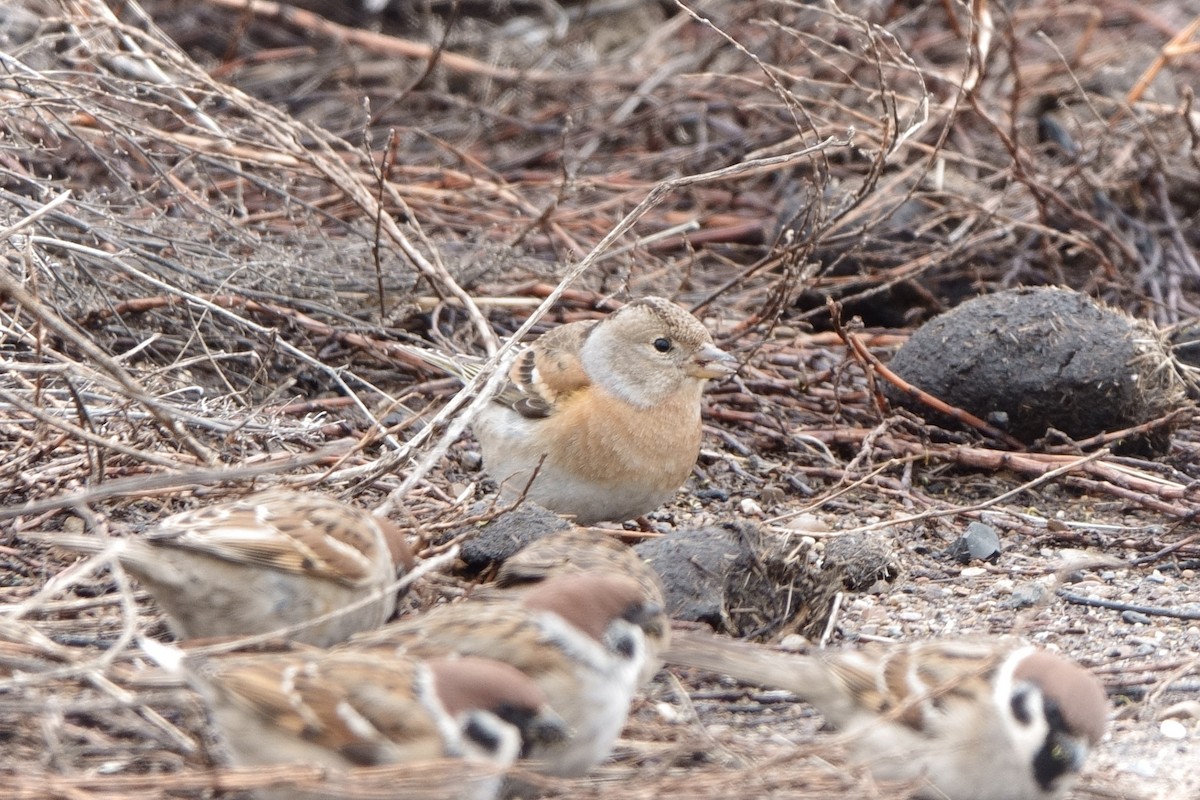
[
  {"x": 601, "y": 419},
  {"x": 579, "y": 550},
  {"x": 262, "y": 563},
  {"x": 580, "y": 638},
  {"x": 970, "y": 720},
  {"x": 340, "y": 711}
]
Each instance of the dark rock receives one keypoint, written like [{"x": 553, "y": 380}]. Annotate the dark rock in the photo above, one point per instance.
[
  {"x": 1045, "y": 358},
  {"x": 504, "y": 535},
  {"x": 694, "y": 566}
]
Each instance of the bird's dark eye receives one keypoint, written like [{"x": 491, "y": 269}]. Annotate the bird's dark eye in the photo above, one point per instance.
[{"x": 662, "y": 344}]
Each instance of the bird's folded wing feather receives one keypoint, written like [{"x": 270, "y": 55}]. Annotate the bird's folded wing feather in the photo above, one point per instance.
[{"x": 344, "y": 550}]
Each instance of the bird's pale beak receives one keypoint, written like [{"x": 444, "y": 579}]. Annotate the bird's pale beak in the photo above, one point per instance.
[{"x": 712, "y": 362}]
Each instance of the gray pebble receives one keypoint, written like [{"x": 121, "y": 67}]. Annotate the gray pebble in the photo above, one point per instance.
[
  {"x": 979, "y": 542},
  {"x": 1135, "y": 617},
  {"x": 1025, "y": 595}
]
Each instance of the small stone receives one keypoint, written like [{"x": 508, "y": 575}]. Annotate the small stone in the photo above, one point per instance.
[
  {"x": 794, "y": 642},
  {"x": 1173, "y": 729},
  {"x": 972, "y": 572},
  {"x": 666, "y": 712},
  {"x": 1135, "y": 618},
  {"x": 1025, "y": 595},
  {"x": 910, "y": 616},
  {"x": 750, "y": 507},
  {"x": 807, "y": 523},
  {"x": 979, "y": 542},
  {"x": 771, "y": 495}
]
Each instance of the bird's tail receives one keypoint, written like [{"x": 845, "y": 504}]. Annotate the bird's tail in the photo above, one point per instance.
[
  {"x": 799, "y": 674},
  {"x": 461, "y": 367},
  {"x": 76, "y": 542}
]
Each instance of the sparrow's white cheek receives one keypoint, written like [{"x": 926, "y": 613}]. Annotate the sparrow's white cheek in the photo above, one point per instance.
[{"x": 1027, "y": 721}]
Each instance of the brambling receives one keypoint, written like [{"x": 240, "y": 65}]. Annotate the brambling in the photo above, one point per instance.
[
  {"x": 580, "y": 638},
  {"x": 602, "y": 416},
  {"x": 262, "y": 563},
  {"x": 967, "y": 720},
  {"x": 340, "y": 711}
]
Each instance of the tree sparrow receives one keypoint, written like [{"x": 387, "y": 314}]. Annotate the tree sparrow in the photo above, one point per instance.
[
  {"x": 581, "y": 638},
  {"x": 973, "y": 721},
  {"x": 605, "y": 413},
  {"x": 580, "y": 550},
  {"x": 264, "y": 562},
  {"x": 339, "y": 710}
]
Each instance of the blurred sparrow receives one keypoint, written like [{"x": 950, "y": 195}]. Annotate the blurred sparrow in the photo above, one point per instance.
[
  {"x": 338, "y": 710},
  {"x": 605, "y": 413},
  {"x": 973, "y": 721},
  {"x": 579, "y": 550},
  {"x": 264, "y": 562},
  {"x": 581, "y": 638}
]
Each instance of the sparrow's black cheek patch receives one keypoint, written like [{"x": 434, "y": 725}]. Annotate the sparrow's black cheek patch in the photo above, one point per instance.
[
  {"x": 1020, "y": 706},
  {"x": 483, "y": 735},
  {"x": 1050, "y": 763},
  {"x": 1053, "y": 759},
  {"x": 625, "y": 646}
]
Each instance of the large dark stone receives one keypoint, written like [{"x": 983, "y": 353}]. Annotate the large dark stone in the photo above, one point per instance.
[{"x": 1040, "y": 358}]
